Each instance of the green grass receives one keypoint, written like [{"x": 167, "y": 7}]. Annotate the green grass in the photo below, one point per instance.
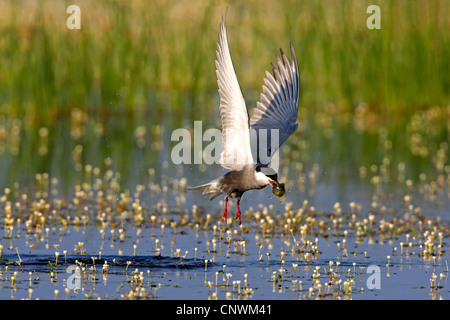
[
  {"x": 136, "y": 63},
  {"x": 150, "y": 58}
]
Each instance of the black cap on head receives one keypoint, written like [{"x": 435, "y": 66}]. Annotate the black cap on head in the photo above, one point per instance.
[{"x": 268, "y": 171}]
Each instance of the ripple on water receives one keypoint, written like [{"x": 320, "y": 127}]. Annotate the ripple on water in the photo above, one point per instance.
[{"x": 156, "y": 261}]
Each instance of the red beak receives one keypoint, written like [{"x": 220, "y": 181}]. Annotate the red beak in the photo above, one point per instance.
[{"x": 272, "y": 182}]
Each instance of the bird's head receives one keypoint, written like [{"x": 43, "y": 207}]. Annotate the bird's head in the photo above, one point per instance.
[
  {"x": 268, "y": 174},
  {"x": 271, "y": 177}
]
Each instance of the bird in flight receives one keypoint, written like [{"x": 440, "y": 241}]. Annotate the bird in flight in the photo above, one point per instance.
[{"x": 273, "y": 121}]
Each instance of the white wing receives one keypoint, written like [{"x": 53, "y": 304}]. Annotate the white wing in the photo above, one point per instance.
[
  {"x": 278, "y": 107},
  {"x": 233, "y": 112}
]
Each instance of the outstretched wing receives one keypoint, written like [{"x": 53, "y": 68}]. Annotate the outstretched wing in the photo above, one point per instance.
[
  {"x": 275, "y": 116},
  {"x": 233, "y": 112}
]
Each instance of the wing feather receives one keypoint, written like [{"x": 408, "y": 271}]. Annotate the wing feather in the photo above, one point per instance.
[
  {"x": 233, "y": 111},
  {"x": 278, "y": 106}
]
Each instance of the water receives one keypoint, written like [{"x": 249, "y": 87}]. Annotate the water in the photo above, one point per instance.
[
  {"x": 169, "y": 275},
  {"x": 86, "y": 176},
  {"x": 124, "y": 203}
]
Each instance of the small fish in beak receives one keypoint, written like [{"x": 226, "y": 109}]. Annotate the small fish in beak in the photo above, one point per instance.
[{"x": 278, "y": 188}]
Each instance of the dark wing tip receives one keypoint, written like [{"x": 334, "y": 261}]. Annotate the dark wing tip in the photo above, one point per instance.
[
  {"x": 293, "y": 57},
  {"x": 224, "y": 17}
]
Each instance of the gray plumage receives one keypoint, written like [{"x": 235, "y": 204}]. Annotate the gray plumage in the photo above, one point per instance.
[
  {"x": 233, "y": 183},
  {"x": 278, "y": 108}
]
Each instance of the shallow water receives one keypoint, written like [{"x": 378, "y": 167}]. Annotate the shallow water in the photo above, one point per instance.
[
  {"x": 258, "y": 266},
  {"x": 337, "y": 210},
  {"x": 87, "y": 179}
]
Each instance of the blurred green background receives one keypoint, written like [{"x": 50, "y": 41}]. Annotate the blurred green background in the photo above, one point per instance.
[{"x": 110, "y": 94}]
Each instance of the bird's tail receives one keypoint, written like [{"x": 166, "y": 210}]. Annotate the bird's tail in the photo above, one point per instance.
[{"x": 211, "y": 188}]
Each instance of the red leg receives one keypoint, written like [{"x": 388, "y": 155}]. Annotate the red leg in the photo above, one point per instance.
[
  {"x": 224, "y": 216},
  {"x": 238, "y": 215}
]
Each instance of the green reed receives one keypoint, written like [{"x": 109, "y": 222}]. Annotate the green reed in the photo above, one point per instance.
[
  {"x": 128, "y": 57},
  {"x": 139, "y": 63}
]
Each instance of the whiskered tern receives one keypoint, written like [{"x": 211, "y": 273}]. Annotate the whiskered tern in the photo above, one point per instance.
[{"x": 274, "y": 117}]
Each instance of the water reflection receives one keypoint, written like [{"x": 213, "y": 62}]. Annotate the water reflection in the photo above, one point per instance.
[{"x": 332, "y": 158}]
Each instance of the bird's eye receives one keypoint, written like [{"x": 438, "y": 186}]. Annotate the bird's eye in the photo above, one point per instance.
[{"x": 258, "y": 169}]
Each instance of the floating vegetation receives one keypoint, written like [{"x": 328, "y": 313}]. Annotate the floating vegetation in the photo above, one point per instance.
[
  {"x": 140, "y": 246},
  {"x": 92, "y": 207}
]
